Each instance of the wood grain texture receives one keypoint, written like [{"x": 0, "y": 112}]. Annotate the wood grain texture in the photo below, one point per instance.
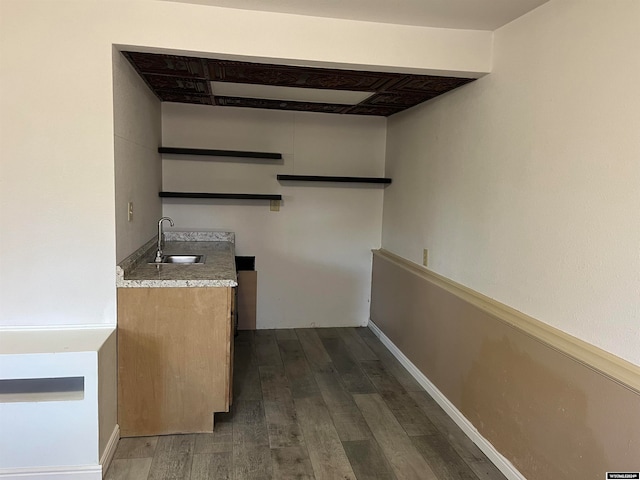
[
  {"x": 356, "y": 345},
  {"x": 296, "y": 367},
  {"x": 317, "y": 356},
  {"x": 137, "y": 447},
  {"x": 221, "y": 440},
  {"x": 212, "y": 466},
  {"x": 346, "y": 415},
  {"x": 447, "y": 427},
  {"x": 351, "y": 375},
  {"x": 280, "y": 412},
  {"x": 368, "y": 461},
  {"x": 252, "y": 462},
  {"x": 468, "y": 451},
  {"x": 327, "y": 455},
  {"x": 404, "y": 408},
  {"x": 173, "y": 457},
  {"x": 328, "y": 332},
  {"x": 266, "y": 347},
  {"x": 291, "y": 463},
  {"x": 246, "y": 378},
  {"x": 390, "y": 362},
  {"x": 405, "y": 460},
  {"x": 249, "y": 424},
  {"x": 442, "y": 458},
  {"x": 129, "y": 469},
  {"x": 286, "y": 334},
  {"x": 174, "y": 359}
]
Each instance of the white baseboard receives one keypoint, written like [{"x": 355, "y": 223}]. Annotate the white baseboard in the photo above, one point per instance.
[
  {"x": 81, "y": 472},
  {"x": 110, "y": 449},
  {"x": 504, "y": 465},
  {"x": 74, "y": 472}
]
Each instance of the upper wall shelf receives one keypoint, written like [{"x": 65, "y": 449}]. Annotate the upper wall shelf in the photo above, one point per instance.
[
  {"x": 220, "y": 153},
  {"x": 325, "y": 178},
  {"x": 232, "y": 196}
]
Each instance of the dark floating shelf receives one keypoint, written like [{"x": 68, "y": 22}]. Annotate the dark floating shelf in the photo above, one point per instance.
[
  {"x": 324, "y": 178},
  {"x": 220, "y": 153},
  {"x": 232, "y": 196}
]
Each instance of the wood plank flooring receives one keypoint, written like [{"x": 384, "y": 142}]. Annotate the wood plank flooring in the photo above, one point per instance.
[{"x": 314, "y": 404}]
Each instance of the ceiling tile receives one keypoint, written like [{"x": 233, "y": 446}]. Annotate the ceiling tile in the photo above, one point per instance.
[
  {"x": 183, "y": 85},
  {"x": 427, "y": 83},
  {"x": 188, "y": 80},
  {"x": 167, "y": 64}
]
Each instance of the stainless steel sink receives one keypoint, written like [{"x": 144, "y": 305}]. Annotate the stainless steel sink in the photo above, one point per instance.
[{"x": 182, "y": 259}]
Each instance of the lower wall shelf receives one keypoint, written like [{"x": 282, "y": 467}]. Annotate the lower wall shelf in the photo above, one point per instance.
[{"x": 232, "y": 196}]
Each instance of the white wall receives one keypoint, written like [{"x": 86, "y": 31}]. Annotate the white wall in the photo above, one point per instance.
[
  {"x": 57, "y": 241},
  {"x": 57, "y": 176},
  {"x": 525, "y": 185},
  {"x": 138, "y": 168},
  {"x": 313, "y": 256}
]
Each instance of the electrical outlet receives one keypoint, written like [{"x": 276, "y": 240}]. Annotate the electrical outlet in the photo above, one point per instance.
[
  {"x": 425, "y": 257},
  {"x": 130, "y": 211},
  {"x": 275, "y": 205}
]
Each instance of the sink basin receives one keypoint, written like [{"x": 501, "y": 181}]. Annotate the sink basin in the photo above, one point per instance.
[{"x": 182, "y": 259}]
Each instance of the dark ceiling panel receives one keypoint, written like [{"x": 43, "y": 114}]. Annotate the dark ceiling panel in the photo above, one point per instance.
[
  {"x": 239, "y": 72},
  {"x": 397, "y": 99},
  {"x": 168, "y": 65},
  {"x": 425, "y": 83},
  {"x": 373, "y": 110},
  {"x": 304, "y": 77},
  {"x": 178, "y": 84},
  {"x": 280, "y": 105},
  {"x": 186, "y": 79}
]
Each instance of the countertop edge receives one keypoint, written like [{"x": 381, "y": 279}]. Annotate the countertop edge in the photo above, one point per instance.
[
  {"x": 224, "y": 270},
  {"x": 176, "y": 283}
]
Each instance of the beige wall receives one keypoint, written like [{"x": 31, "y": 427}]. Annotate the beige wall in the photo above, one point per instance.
[
  {"x": 138, "y": 168},
  {"x": 57, "y": 194},
  {"x": 313, "y": 256},
  {"x": 549, "y": 414},
  {"x": 524, "y": 184}
]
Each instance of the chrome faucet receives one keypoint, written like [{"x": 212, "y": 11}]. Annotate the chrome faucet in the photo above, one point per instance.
[{"x": 161, "y": 238}]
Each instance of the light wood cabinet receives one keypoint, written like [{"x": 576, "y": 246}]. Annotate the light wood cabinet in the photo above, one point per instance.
[{"x": 175, "y": 358}]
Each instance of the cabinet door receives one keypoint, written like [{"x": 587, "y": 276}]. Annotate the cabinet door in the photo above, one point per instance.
[{"x": 173, "y": 359}]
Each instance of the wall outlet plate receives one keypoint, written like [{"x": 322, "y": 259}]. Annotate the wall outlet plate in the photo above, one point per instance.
[
  {"x": 275, "y": 206},
  {"x": 130, "y": 211}
]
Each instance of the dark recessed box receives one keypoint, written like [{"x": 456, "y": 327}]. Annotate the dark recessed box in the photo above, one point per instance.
[{"x": 245, "y": 263}]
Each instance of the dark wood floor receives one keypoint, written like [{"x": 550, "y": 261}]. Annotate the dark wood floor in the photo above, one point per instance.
[{"x": 314, "y": 404}]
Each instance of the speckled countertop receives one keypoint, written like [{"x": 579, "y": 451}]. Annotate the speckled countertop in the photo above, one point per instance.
[{"x": 219, "y": 269}]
